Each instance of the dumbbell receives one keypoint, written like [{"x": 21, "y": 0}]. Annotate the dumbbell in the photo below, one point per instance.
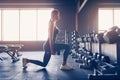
[
  {"x": 72, "y": 35},
  {"x": 99, "y": 37},
  {"x": 99, "y": 56},
  {"x": 73, "y": 42},
  {"x": 105, "y": 59},
  {"x": 88, "y": 64},
  {"x": 92, "y": 63},
  {"x": 90, "y": 37},
  {"x": 87, "y": 59},
  {"x": 112, "y": 35},
  {"x": 74, "y": 54},
  {"x": 82, "y": 39},
  {"x": 84, "y": 50},
  {"x": 83, "y": 57},
  {"x": 73, "y": 46},
  {"x": 95, "y": 55},
  {"x": 79, "y": 39},
  {"x": 85, "y": 39},
  {"x": 79, "y": 59},
  {"x": 89, "y": 53}
]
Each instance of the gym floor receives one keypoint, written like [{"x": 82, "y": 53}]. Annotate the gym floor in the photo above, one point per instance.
[{"x": 14, "y": 71}]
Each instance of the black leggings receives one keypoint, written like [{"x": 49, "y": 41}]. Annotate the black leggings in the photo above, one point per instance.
[{"x": 47, "y": 55}]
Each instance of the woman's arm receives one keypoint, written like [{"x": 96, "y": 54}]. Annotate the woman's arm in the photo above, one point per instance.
[{"x": 51, "y": 31}]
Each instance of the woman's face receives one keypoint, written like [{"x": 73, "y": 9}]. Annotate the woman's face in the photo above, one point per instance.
[{"x": 57, "y": 16}]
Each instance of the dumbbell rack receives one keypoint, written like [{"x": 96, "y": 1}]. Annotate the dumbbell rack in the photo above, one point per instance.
[
  {"x": 83, "y": 52},
  {"x": 74, "y": 44},
  {"x": 110, "y": 71},
  {"x": 105, "y": 71}
]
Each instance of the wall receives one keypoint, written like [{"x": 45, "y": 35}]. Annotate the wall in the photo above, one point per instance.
[
  {"x": 67, "y": 21},
  {"x": 88, "y": 17},
  {"x": 88, "y": 22}
]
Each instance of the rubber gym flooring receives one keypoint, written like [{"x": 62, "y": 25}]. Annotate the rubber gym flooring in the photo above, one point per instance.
[{"x": 14, "y": 71}]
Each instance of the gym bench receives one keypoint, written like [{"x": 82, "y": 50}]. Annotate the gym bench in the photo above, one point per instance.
[{"x": 11, "y": 50}]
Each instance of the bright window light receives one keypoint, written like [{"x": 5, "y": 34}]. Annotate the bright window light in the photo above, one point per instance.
[
  {"x": 27, "y": 25},
  {"x": 117, "y": 17},
  {"x": 105, "y": 19},
  {"x": 24, "y": 24},
  {"x": 43, "y": 19},
  {"x": 0, "y": 25},
  {"x": 10, "y": 20}
]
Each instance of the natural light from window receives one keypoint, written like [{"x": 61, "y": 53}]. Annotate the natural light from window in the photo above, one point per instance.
[
  {"x": 28, "y": 25},
  {"x": 43, "y": 24},
  {"x": 10, "y": 25},
  {"x": 117, "y": 17},
  {"x": 107, "y": 18},
  {"x": 0, "y": 25},
  {"x": 24, "y": 24}
]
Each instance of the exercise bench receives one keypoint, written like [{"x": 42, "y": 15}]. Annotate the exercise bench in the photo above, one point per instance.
[
  {"x": 11, "y": 50},
  {"x": 15, "y": 49}
]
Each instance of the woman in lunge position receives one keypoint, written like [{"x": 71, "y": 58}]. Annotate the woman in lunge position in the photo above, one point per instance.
[{"x": 50, "y": 46}]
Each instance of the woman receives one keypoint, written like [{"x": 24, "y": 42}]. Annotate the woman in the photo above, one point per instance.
[{"x": 50, "y": 46}]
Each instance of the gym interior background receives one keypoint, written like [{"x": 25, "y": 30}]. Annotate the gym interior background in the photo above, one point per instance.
[{"x": 23, "y": 24}]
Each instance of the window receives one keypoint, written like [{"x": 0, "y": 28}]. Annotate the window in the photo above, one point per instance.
[
  {"x": 108, "y": 17},
  {"x": 24, "y": 24},
  {"x": 10, "y": 25},
  {"x": 0, "y": 26},
  {"x": 43, "y": 19},
  {"x": 27, "y": 25},
  {"x": 117, "y": 17}
]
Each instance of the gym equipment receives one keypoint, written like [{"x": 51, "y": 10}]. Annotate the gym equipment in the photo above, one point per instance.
[
  {"x": 11, "y": 50},
  {"x": 99, "y": 37},
  {"x": 15, "y": 48},
  {"x": 104, "y": 77},
  {"x": 87, "y": 59},
  {"x": 104, "y": 71},
  {"x": 105, "y": 59},
  {"x": 89, "y": 53},
  {"x": 106, "y": 68},
  {"x": 74, "y": 43},
  {"x": 4, "y": 48},
  {"x": 88, "y": 63},
  {"x": 85, "y": 39},
  {"x": 99, "y": 57},
  {"x": 74, "y": 53},
  {"x": 91, "y": 37},
  {"x": 112, "y": 35},
  {"x": 95, "y": 55},
  {"x": 82, "y": 39}
]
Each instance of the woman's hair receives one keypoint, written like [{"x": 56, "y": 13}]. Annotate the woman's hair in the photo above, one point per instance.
[{"x": 54, "y": 12}]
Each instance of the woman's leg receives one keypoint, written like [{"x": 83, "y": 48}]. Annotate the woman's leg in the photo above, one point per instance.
[
  {"x": 64, "y": 65},
  {"x": 58, "y": 47},
  {"x": 46, "y": 59}
]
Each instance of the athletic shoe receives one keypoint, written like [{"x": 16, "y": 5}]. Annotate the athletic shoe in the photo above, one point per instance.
[
  {"x": 65, "y": 67},
  {"x": 24, "y": 62}
]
